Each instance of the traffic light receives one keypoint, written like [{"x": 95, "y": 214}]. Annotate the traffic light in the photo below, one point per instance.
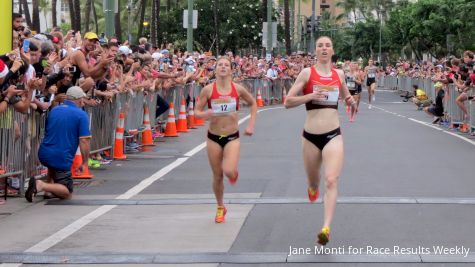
[{"x": 308, "y": 28}]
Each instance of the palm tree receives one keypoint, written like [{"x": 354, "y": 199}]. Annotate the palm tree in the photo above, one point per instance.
[
  {"x": 143, "y": 7},
  {"x": 72, "y": 14},
  {"x": 287, "y": 27},
  {"x": 44, "y": 8},
  {"x": 77, "y": 13},
  {"x": 87, "y": 15},
  {"x": 264, "y": 18},
  {"x": 118, "y": 28},
  {"x": 349, "y": 7},
  {"x": 94, "y": 13},
  {"x": 216, "y": 25},
  {"x": 155, "y": 21},
  {"x": 36, "y": 16},
  {"x": 26, "y": 9},
  {"x": 169, "y": 5},
  {"x": 53, "y": 12}
]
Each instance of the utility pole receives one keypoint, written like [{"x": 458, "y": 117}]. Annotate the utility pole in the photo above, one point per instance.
[
  {"x": 292, "y": 24},
  {"x": 129, "y": 21},
  {"x": 312, "y": 36},
  {"x": 269, "y": 28},
  {"x": 299, "y": 29},
  {"x": 189, "y": 35},
  {"x": 380, "y": 35}
]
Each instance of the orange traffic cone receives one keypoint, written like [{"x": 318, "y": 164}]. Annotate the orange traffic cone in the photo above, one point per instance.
[
  {"x": 191, "y": 116},
  {"x": 181, "y": 125},
  {"x": 170, "y": 130},
  {"x": 147, "y": 138},
  {"x": 259, "y": 101},
  {"x": 284, "y": 94},
  {"x": 119, "y": 138},
  {"x": 199, "y": 121},
  {"x": 77, "y": 162}
]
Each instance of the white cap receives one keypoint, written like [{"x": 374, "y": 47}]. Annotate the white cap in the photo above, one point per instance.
[
  {"x": 75, "y": 92},
  {"x": 189, "y": 61},
  {"x": 157, "y": 56},
  {"x": 124, "y": 50}
]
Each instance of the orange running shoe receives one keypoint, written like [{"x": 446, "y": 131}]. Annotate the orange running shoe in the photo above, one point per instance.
[
  {"x": 313, "y": 194},
  {"x": 220, "y": 213},
  {"x": 233, "y": 181},
  {"x": 324, "y": 236}
]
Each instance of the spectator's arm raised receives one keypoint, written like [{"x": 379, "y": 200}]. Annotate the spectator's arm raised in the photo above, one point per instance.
[
  {"x": 79, "y": 59},
  {"x": 9, "y": 94}
]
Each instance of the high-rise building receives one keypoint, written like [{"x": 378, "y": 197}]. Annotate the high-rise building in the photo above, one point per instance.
[{"x": 321, "y": 7}]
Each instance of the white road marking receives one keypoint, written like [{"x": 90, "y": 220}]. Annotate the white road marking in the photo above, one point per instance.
[
  {"x": 426, "y": 124},
  {"x": 67, "y": 231}
]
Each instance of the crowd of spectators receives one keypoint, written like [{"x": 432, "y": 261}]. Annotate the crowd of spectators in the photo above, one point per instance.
[
  {"x": 459, "y": 72},
  {"x": 36, "y": 74}
]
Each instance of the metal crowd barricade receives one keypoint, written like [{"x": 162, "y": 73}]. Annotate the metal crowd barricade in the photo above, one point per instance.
[
  {"x": 391, "y": 82},
  {"x": 102, "y": 124},
  {"x": 35, "y": 132},
  {"x": 428, "y": 87},
  {"x": 381, "y": 80},
  {"x": 151, "y": 102},
  {"x": 10, "y": 154},
  {"x": 279, "y": 86},
  {"x": 454, "y": 112},
  {"x": 472, "y": 116},
  {"x": 249, "y": 85},
  {"x": 178, "y": 93}
]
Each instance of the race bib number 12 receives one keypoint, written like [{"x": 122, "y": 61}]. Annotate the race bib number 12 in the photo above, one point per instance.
[{"x": 223, "y": 106}]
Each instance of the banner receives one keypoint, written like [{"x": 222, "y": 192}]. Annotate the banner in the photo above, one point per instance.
[{"x": 6, "y": 10}]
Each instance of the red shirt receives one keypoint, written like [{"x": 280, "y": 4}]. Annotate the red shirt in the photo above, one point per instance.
[
  {"x": 331, "y": 84},
  {"x": 215, "y": 95}
]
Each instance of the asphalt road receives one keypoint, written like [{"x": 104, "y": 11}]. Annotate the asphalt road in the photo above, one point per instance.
[{"x": 406, "y": 190}]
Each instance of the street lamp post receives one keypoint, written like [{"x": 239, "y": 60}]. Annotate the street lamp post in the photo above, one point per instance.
[
  {"x": 189, "y": 44},
  {"x": 380, "y": 34},
  {"x": 299, "y": 29},
  {"x": 129, "y": 21},
  {"x": 312, "y": 36},
  {"x": 269, "y": 28}
]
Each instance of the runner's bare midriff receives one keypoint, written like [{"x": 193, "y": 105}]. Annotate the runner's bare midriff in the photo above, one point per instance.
[
  {"x": 319, "y": 121},
  {"x": 224, "y": 125}
]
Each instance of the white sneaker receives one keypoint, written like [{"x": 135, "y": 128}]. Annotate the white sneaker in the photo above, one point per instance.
[
  {"x": 369, "y": 107},
  {"x": 374, "y": 98}
]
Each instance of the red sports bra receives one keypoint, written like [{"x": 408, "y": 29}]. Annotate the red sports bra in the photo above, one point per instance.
[
  {"x": 331, "y": 84},
  {"x": 215, "y": 95}
]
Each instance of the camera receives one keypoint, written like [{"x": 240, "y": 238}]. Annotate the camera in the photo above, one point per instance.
[
  {"x": 20, "y": 86},
  {"x": 72, "y": 69}
]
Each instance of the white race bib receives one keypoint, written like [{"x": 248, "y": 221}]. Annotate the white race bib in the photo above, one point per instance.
[
  {"x": 350, "y": 84},
  {"x": 371, "y": 75},
  {"x": 223, "y": 106},
  {"x": 333, "y": 95}
]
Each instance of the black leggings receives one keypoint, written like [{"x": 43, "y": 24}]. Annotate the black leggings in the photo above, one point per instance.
[
  {"x": 223, "y": 140},
  {"x": 321, "y": 140}
]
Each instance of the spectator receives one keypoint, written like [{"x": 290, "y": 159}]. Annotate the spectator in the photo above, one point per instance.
[
  {"x": 420, "y": 98},
  {"x": 272, "y": 72},
  {"x": 78, "y": 59},
  {"x": 437, "y": 110},
  {"x": 67, "y": 127},
  {"x": 17, "y": 22}
]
